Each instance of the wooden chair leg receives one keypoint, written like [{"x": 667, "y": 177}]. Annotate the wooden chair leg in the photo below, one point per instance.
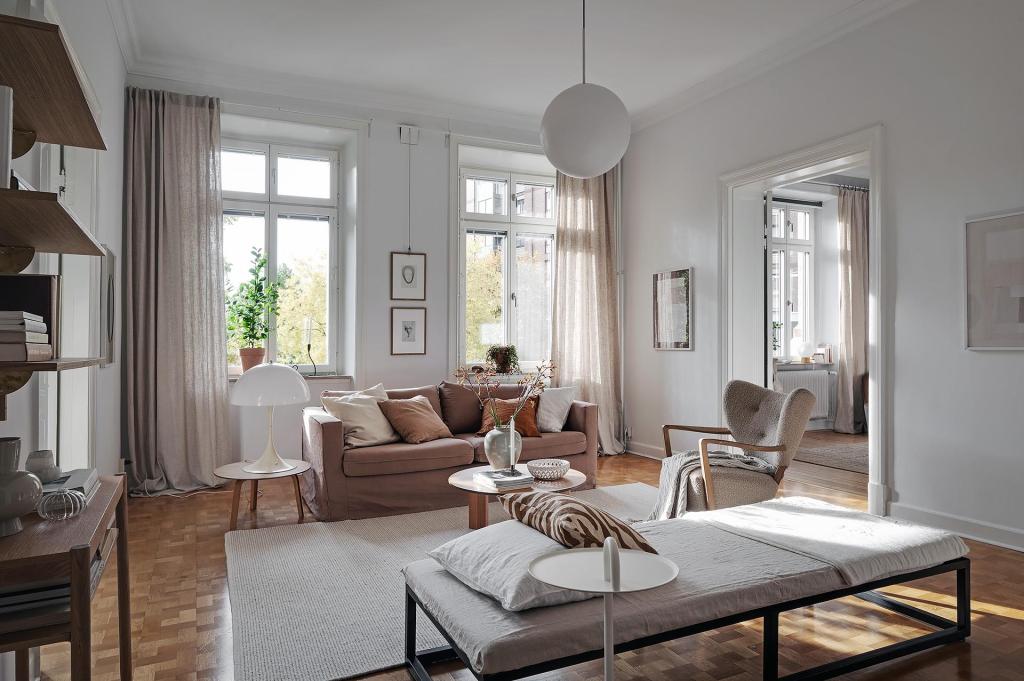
[
  {"x": 298, "y": 497},
  {"x": 236, "y": 497}
]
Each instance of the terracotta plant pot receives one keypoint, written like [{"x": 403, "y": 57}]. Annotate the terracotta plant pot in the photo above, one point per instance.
[{"x": 251, "y": 357}]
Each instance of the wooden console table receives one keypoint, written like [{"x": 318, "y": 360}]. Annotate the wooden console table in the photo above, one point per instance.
[{"x": 73, "y": 553}]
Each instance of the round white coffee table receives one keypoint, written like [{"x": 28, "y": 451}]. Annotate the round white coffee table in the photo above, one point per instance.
[
  {"x": 479, "y": 495},
  {"x": 235, "y": 471},
  {"x": 607, "y": 571}
]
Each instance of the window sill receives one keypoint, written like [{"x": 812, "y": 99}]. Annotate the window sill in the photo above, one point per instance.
[{"x": 309, "y": 377}]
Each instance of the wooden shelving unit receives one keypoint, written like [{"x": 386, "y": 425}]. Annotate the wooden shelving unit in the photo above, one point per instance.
[
  {"x": 54, "y": 228},
  {"x": 58, "y": 364}
]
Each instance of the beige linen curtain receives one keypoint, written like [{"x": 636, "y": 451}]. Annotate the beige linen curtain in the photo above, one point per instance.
[
  {"x": 175, "y": 373},
  {"x": 853, "y": 302},
  {"x": 585, "y": 324}
]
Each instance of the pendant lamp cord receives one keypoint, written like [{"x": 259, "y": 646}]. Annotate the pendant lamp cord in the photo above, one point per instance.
[
  {"x": 409, "y": 246},
  {"x": 584, "y": 41}
]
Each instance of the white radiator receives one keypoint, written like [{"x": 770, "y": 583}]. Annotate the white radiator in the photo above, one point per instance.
[{"x": 820, "y": 382}]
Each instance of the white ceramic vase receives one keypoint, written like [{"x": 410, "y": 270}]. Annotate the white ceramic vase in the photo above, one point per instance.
[
  {"x": 19, "y": 490},
  {"x": 502, "y": 446}
]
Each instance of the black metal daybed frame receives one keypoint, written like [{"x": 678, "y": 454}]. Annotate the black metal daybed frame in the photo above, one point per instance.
[{"x": 948, "y": 631}]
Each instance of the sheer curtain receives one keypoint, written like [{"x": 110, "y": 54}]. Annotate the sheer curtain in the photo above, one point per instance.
[
  {"x": 585, "y": 324},
  {"x": 175, "y": 373},
  {"x": 853, "y": 302}
]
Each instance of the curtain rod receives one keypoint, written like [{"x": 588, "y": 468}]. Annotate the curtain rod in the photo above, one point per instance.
[{"x": 840, "y": 186}]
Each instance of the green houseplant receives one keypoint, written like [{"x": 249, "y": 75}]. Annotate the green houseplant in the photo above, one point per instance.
[
  {"x": 504, "y": 357},
  {"x": 249, "y": 310}
]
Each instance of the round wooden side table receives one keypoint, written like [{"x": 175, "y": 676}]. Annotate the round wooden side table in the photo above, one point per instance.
[
  {"x": 233, "y": 471},
  {"x": 479, "y": 495},
  {"x": 606, "y": 571}
]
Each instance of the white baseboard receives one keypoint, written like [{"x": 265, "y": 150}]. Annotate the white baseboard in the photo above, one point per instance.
[
  {"x": 988, "y": 533},
  {"x": 650, "y": 451}
]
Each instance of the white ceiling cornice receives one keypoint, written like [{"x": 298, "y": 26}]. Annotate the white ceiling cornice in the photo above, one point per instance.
[
  {"x": 808, "y": 40},
  {"x": 124, "y": 28}
]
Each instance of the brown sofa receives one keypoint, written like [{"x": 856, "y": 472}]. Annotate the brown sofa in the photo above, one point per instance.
[{"x": 365, "y": 482}]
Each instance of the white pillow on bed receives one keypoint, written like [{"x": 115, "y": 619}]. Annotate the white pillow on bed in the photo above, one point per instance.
[{"x": 495, "y": 561}]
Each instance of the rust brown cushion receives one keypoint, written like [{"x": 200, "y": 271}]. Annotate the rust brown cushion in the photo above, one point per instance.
[
  {"x": 526, "y": 420},
  {"x": 571, "y": 522},
  {"x": 415, "y": 419}
]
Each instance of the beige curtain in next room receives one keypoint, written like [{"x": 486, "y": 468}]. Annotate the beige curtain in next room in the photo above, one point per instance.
[
  {"x": 175, "y": 369},
  {"x": 853, "y": 305},
  {"x": 585, "y": 324}
]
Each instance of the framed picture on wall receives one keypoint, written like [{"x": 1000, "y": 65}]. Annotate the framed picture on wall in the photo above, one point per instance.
[
  {"x": 994, "y": 259},
  {"x": 673, "y": 310},
  {"x": 408, "y": 331},
  {"x": 408, "y": 276}
]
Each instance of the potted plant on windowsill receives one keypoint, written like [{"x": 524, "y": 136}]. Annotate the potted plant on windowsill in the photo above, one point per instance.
[
  {"x": 248, "y": 312},
  {"x": 505, "y": 358}
]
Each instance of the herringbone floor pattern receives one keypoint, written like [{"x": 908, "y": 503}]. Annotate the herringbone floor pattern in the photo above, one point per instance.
[{"x": 181, "y": 620}]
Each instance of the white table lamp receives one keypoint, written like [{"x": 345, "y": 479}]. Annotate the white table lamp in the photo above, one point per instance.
[{"x": 269, "y": 385}]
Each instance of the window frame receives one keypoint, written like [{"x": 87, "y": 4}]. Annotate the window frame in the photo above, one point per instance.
[
  {"x": 510, "y": 226},
  {"x": 272, "y": 210},
  {"x": 315, "y": 153},
  {"x": 786, "y": 244}
]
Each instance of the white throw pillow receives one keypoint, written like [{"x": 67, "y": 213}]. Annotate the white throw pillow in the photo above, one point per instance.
[
  {"x": 554, "y": 409},
  {"x": 495, "y": 561},
  {"x": 365, "y": 424}
]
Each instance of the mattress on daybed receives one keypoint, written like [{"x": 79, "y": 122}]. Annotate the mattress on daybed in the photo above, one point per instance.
[{"x": 721, "y": 573}]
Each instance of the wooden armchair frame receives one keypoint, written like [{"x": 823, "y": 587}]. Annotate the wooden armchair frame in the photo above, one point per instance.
[{"x": 705, "y": 463}]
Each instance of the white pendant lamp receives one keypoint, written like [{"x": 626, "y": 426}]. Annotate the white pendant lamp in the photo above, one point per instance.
[{"x": 585, "y": 129}]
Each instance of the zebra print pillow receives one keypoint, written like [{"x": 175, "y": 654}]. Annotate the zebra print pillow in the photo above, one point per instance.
[{"x": 571, "y": 522}]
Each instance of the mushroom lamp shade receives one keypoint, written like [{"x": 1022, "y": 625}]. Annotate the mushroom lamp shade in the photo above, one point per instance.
[
  {"x": 585, "y": 130},
  {"x": 269, "y": 385}
]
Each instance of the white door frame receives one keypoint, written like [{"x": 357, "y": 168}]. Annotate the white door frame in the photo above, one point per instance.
[{"x": 793, "y": 167}]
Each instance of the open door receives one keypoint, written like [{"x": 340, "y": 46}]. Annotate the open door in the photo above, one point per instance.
[{"x": 750, "y": 356}]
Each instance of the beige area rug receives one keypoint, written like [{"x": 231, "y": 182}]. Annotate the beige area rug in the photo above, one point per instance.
[
  {"x": 844, "y": 456},
  {"x": 327, "y": 600}
]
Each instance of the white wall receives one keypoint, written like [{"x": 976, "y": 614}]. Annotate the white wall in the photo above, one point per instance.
[
  {"x": 944, "y": 78},
  {"x": 87, "y": 27}
]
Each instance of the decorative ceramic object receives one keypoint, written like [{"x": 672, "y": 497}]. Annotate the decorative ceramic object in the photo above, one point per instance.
[
  {"x": 548, "y": 469},
  {"x": 40, "y": 463},
  {"x": 502, "y": 446},
  {"x": 19, "y": 490},
  {"x": 61, "y": 505}
]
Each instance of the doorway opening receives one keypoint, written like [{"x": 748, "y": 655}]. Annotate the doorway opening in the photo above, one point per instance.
[{"x": 802, "y": 285}]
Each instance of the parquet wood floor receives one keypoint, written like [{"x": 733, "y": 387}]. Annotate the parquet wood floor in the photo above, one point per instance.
[{"x": 181, "y": 619}]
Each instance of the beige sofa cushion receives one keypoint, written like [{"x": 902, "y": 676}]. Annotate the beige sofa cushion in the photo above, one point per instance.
[
  {"x": 414, "y": 419},
  {"x": 403, "y": 457},
  {"x": 365, "y": 424}
]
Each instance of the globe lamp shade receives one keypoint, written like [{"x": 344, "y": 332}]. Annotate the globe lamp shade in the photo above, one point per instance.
[{"x": 585, "y": 130}]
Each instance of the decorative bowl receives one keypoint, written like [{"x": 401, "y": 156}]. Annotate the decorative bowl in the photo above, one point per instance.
[{"x": 548, "y": 469}]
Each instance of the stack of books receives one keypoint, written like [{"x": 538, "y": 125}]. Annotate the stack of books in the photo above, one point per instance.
[
  {"x": 23, "y": 337},
  {"x": 503, "y": 480},
  {"x": 84, "y": 480}
]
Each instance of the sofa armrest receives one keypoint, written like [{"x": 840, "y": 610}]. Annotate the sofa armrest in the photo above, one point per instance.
[
  {"x": 323, "y": 446},
  {"x": 583, "y": 419}
]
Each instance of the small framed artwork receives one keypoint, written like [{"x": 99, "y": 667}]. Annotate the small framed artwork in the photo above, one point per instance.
[
  {"x": 408, "y": 276},
  {"x": 408, "y": 331},
  {"x": 673, "y": 310},
  {"x": 994, "y": 273}
]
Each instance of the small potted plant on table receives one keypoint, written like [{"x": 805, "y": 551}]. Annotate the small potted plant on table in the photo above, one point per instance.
[{"x": 248, "y": 312}]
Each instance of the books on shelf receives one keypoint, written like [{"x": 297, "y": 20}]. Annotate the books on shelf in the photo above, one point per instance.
[
  {"x": 20, "y": 336},
  {"x": 25, "y": 352},
  {"x": 9, "y": 316},
  {"x": 23, "y": 337},
  {"x": 503, "y": 480},
  {"x": 84, "y": 480},
  {"x": 22, "y": 325}
]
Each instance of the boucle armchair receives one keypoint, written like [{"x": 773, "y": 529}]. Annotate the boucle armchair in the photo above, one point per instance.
[{"x": 765, "y": 424}]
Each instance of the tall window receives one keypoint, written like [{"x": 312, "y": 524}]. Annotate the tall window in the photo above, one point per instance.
[
  {"x": 792, "y": 274},
  {"x": 507, "y": 253},
  {"x": 283, "y": 201}
]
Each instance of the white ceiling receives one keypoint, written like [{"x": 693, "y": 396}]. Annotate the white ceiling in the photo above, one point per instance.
[{"x": 466, "y": 58}]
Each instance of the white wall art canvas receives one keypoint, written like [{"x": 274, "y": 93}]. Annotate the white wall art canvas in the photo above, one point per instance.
[
  {"x": 408, "y": 331},
  {"x": 995, "y": 282},
  {"x": 673, "y": 310},
  {"x": 408, "y": 276}
]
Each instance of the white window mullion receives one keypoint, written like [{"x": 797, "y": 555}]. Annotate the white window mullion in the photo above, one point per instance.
[{"x": 271, "y": 241}]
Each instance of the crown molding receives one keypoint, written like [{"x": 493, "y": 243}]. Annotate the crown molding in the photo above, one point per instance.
[
  {"x": 127, "y": 35},
  {"x": 807, "y": 40}
]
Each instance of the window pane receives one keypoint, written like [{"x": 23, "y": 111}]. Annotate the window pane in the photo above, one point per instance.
[
  {"x": 242, "y": 233},
  {"x": 305, "y": 177},
  {"x": 778, "y": 220},
  {"x": 243, "y": 171},
  {"x": 778, "y": 348},
  {"x": 535, "y": 200},
  {"x": 800, "y": 224},
  {"x": 489, "y": 197},
  {"x": 534, "y": 273},
  {"x": 303, "y": 251},
  {"x": 485, "y": 293},
  {"x": 799, "y": 295}
]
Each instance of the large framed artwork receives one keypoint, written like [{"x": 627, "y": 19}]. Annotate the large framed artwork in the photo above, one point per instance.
[
  {"x": 408, "y": 276},
  {"x": 673, "y": 310},
  {"x": 994, "y": 254},
  {"x": 408, "y": 331}
]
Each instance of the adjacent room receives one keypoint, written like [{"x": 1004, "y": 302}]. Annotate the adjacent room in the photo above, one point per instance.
[{"x": 453, "y": 340}]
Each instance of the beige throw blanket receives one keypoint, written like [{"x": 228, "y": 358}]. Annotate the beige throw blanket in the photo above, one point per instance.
[{"x": 675, "y": 470}]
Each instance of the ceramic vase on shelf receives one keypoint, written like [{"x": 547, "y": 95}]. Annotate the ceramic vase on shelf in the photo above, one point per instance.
[
  {"x": 502, "y": 446},
  {"x": 19, "y": 490}
]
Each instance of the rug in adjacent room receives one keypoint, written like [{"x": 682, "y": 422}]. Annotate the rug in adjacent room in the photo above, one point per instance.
[
  {"x": 847, "y": 456},
  {"x": 326, "y": 601}
]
